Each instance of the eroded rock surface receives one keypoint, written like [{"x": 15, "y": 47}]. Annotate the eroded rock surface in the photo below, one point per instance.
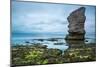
[{"x": 76, "y": 24}]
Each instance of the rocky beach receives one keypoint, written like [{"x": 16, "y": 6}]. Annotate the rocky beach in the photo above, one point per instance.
[{"x": 37, "y": 53}]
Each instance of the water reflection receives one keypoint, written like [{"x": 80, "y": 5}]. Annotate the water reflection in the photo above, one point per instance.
[
  {"x": 75, "y": 43},
  {"x": 80, "y": 44}
]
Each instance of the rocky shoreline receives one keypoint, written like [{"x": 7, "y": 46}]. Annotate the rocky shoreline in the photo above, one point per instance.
[{"x": 40, "y": 54}]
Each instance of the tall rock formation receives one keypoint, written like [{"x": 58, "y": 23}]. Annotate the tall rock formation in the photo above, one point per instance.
[{"x": 76, "y": 24}]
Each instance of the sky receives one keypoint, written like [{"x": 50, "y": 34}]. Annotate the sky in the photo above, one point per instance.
[{"x": 34, "y": 17}]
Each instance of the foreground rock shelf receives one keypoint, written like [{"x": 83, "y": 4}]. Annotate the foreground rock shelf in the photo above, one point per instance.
[{"x": 40, "y": 54}]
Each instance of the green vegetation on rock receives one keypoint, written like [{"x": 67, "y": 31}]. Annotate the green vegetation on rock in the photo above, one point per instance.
[{"x": 39, "y": 54}]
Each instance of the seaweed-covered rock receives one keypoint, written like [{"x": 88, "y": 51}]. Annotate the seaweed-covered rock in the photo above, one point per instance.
[
  {"x": 80, "y": 54},
  {"x": 52, "y": 53},
  {"x": 38, "y": 45}
]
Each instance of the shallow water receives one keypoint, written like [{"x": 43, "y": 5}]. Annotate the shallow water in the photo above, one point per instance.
[{"x": 58, "y": 43}]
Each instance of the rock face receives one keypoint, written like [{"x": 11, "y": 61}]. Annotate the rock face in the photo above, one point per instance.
[{"x": 76, "y": 24}]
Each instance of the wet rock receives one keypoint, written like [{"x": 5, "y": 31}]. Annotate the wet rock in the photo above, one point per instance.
[
  {"x": 39, "y": 45},
  {"x": 86, "y": 40},
  {"x": 52, "y": 53},
  {"x": 59, "y": 43},
  {"x": 27, "y": 42},
  {"x": 53, "y": 60},
  {"x": 53, "y": 39},
  {"x": 80, "y": 54},
  {"x": 40, "y": 39},
  {"x": 76, "y": 24},
  {"x": 75, "y": 43}
]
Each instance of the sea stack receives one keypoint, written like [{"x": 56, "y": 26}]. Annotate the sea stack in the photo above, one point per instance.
[{"x": 76, "y": 21}]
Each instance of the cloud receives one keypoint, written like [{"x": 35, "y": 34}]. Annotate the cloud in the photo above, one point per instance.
[{"x": 34, "y": 17}]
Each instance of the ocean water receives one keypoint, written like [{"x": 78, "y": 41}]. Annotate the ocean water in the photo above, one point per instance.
[
  {"x": 24, "y": 39},
  {"x": 21, "y": 38},
  {"x": 33, "y": 39}
]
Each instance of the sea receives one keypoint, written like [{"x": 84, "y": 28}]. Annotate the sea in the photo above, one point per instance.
[{"x": 30, "y": 39}]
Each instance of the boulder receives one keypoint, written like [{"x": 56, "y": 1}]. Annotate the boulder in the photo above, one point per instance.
[{"x": 76, "y": 24}]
